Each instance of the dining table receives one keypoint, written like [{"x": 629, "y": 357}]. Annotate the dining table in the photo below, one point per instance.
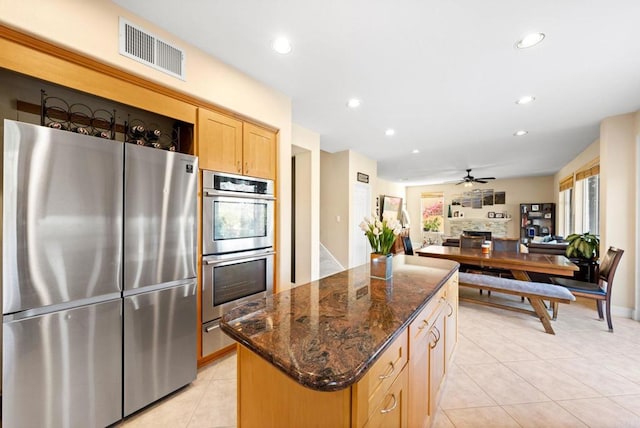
[{"x": 520, "y": 264}]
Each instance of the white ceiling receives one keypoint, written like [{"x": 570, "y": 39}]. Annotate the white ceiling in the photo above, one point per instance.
[{"x": 443, "y": 73}]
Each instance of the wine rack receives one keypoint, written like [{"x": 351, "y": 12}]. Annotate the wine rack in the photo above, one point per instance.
[
  {"x": 55, "y": 112},
  {"x": 77, "y": 117},
  {"x": 151, "y": 135}
]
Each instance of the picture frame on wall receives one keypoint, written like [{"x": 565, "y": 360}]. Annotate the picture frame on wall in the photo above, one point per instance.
[
  {"x": 499, "y": 215},
  {"x": 456, "y": 213},
  {"x": 535, "y": 207},
  {"x": 491, "y": 214},
  {"x": 391, "y": 207}
]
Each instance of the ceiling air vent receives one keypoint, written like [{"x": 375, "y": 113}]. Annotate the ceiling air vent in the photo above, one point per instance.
[{"x": 144, "y": 47}]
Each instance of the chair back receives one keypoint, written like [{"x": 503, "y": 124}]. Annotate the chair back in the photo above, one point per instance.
[
  {"x": 511, "y": 245},
  {"x": 408, "y": 248},
  {"x": 471, "y": 241},
  {"x": 608, "y": 266}
]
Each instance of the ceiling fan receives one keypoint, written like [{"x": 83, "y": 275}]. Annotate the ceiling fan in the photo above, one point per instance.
[{"x": 469, "y": 179}]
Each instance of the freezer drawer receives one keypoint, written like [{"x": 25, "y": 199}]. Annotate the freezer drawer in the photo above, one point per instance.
[
  {"x": 159, "y": 344},
  {"x": 213, "y": 339},
  {"x": 64, "y": 369}
]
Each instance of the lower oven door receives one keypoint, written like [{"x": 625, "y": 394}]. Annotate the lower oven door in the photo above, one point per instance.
[{"x": 230, "y": 279}]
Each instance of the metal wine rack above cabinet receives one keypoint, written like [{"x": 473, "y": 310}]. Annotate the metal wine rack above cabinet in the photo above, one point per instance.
[
  {"x": 142, "y": 128},
  {"x": 137, "y": 132},
  {"x": 77, "y": 117}
]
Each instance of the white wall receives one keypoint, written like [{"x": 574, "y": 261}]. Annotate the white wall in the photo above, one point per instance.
[
  {"x": 517, "y": 190},
  {"x": 334, "y": 204},
  {"x": 618, "y": 201},
  {"x": 91, "y": 28},
  {"x": 307, "y": 144}
]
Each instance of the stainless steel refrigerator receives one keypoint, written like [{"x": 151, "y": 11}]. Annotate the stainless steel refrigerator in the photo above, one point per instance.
[{"x": 94, "y": 289}]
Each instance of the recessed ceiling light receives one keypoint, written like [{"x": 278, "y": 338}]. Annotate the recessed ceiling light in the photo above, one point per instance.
[
  {"x": 353, "y": 103},
  {"x": 389, "y": 132},
  {"x": 282, "y": 45},
  {"x": 415, "y": 151},
  {"x": 520, "y": 133},
  {"x": 530, "y": 40},
  {"x": 526, "y": 99}
]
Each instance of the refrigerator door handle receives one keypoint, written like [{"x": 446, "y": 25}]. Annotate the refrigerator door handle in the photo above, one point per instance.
[{"x": 157, "y": 287}]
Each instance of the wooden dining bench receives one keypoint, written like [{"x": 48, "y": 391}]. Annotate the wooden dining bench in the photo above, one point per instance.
[{"x": 535, "y": 292}]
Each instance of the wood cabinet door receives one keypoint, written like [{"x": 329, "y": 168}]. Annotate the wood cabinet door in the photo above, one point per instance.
[
  {"x": 259, "y": 152},
  {"x": 451, "y": 320},
  {"x": 436, "y": 359},
  {"x": 219, "y": 145},
  {"x": 421, "y": 338}
]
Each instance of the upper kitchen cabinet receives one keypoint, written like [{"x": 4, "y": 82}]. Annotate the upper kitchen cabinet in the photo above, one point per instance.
[
  {"x": 219, "y": 142},
  {"x": 230, "y": 145},
  {"x": 259, "y": 152}
]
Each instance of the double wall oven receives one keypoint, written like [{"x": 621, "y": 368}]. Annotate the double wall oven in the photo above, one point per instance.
[{"x": 238, "y": 235}]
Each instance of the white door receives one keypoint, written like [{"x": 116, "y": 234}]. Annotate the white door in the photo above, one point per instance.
[{"x": 361, "y": 208}]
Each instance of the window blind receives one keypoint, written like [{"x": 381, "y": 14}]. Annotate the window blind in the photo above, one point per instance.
[
  {"x": 588, "y": 172},
  {"x": 566, "y": 183}
]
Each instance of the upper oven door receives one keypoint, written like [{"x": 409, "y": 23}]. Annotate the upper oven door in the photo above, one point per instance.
[{"x": 236, "y": 223}]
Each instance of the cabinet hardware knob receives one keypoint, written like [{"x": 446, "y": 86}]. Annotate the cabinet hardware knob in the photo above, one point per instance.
[
  {"x": 393, "y": 369},
  {"x": 393, "y": 406},
  {"x": 424, "y": 324}
]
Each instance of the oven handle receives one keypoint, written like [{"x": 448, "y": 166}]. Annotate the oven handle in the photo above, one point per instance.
[
  {"x": 246, "y": 257},
  {"x": 212, "y": 193}
]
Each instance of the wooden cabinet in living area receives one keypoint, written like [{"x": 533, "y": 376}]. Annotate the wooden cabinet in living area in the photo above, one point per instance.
[{"x": 230, "y": 145}]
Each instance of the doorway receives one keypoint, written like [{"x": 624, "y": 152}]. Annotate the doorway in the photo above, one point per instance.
[{"x": 361, "y": 208}]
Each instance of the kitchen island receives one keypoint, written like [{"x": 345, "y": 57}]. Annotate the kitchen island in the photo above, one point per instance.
[{"x": 348, "y": 350}]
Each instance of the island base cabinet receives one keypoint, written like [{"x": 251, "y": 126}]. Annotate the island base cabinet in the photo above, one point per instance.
[
  {"x": 268, "y": 398},
  {"x": 400, "y": 390}
]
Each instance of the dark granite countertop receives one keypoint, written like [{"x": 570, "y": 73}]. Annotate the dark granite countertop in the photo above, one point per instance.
[{"x": 326, "y": 334}]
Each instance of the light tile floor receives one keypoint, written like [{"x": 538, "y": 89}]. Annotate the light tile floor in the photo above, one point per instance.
[{"x": 506, "y": 372}]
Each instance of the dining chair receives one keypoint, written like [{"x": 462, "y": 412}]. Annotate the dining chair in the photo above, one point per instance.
[
  {"x": 408, "y": 247},
  {"x": 601, "y": 291},
  {"x": 471, "y": 241},
  {"x": 511, "y": 245}
]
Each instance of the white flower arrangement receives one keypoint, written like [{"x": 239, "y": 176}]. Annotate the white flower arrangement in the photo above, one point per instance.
[{"x": 380, "y": 233}]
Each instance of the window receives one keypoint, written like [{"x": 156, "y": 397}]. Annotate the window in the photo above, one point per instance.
[
  {"x": 587, "y": 199},
  {"x": 566, "y": 212},
  {"x": 565, "y": 207},
  {"x": 591, "y": 201}
]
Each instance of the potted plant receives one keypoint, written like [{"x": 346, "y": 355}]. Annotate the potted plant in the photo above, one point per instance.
[
  {"x": 381, "y": 235},
  {"x": 584, "y": 250}
]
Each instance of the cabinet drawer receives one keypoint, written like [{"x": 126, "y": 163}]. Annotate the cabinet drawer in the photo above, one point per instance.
[
  {"x": 382, "y": 374},
  {"x": 425, "y": 318},
  {"x": 392, "y": 410},
  {"x": 371, "y": 389}
]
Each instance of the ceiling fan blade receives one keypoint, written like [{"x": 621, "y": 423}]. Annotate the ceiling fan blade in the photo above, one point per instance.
[
  {"x": 485, "y": 178},
  {"x": 477, "y": 180}
]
